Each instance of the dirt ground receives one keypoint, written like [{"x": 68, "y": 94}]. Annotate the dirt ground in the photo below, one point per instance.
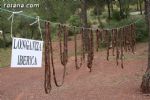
[{"x": 106, "y": 82}]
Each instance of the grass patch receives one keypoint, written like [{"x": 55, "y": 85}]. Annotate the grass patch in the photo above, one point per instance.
[{"x": 5, "y": 56}]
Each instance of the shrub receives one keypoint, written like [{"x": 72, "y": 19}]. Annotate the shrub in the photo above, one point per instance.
[
  {"x": 116, "y": 15},
  {"x": 74, "y": 20},
  {"x": 141, "y": 27},
  {"x": 142, "y": 31}
]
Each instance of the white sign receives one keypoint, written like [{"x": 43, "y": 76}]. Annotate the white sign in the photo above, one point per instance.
[{"x": 26, "y": 53}]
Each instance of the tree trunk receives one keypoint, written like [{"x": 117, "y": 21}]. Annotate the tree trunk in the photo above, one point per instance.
[
  {"x": 98, "y": 15},
  {"x": 120, "y": 6},
  {"x": 85, "y": 23},
  {"x": 148, "y": 22},
  {"x": 108, "y": 6},
  {"x": 145, "y": 86},
  {"x": 112, "y": 7},
  {"x": 140, "y": 4}
]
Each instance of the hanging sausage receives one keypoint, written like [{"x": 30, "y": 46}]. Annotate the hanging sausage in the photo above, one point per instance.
[
  {"x": 82, "y": 56},
  {"x": 47, "y": 82},
  {"x": 90, "y": 51}
]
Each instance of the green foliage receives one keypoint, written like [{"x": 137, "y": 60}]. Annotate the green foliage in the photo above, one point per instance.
[
  {"x": 104, "y": 15},
  {"x": 142, "y": 31},
  {"x": 73, "y": 31},
  {"x": 54, "y": 31},
  {"x": 68, "y": 11},
  {"x": 116, "y": 15},
  {"x": 141, "y": 27},
  {"x": 1, "y": 43},
  {"x": 74, "y": 20}
]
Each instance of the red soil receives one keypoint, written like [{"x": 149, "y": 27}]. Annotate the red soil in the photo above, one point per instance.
[{"x": 106, "y": 82}]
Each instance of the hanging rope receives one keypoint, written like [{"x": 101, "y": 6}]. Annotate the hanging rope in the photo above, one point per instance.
[
  {"x": 12, "y": 21},
  {"x": 39, "y": 25},
  {"x": 54, "y": 23}
]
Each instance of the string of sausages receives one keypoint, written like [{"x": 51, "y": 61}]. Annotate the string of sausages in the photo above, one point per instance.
[
  {"x": 98, "y": 39},
  {"x": 49, "y": 57},
  {"x": 63, "y": 49},
  {"x": 47, "y": 82},
  {"x": 90, "y": 50},
  {"x": 82, "y": 56},
  {"x": 115, "y": 40}
]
